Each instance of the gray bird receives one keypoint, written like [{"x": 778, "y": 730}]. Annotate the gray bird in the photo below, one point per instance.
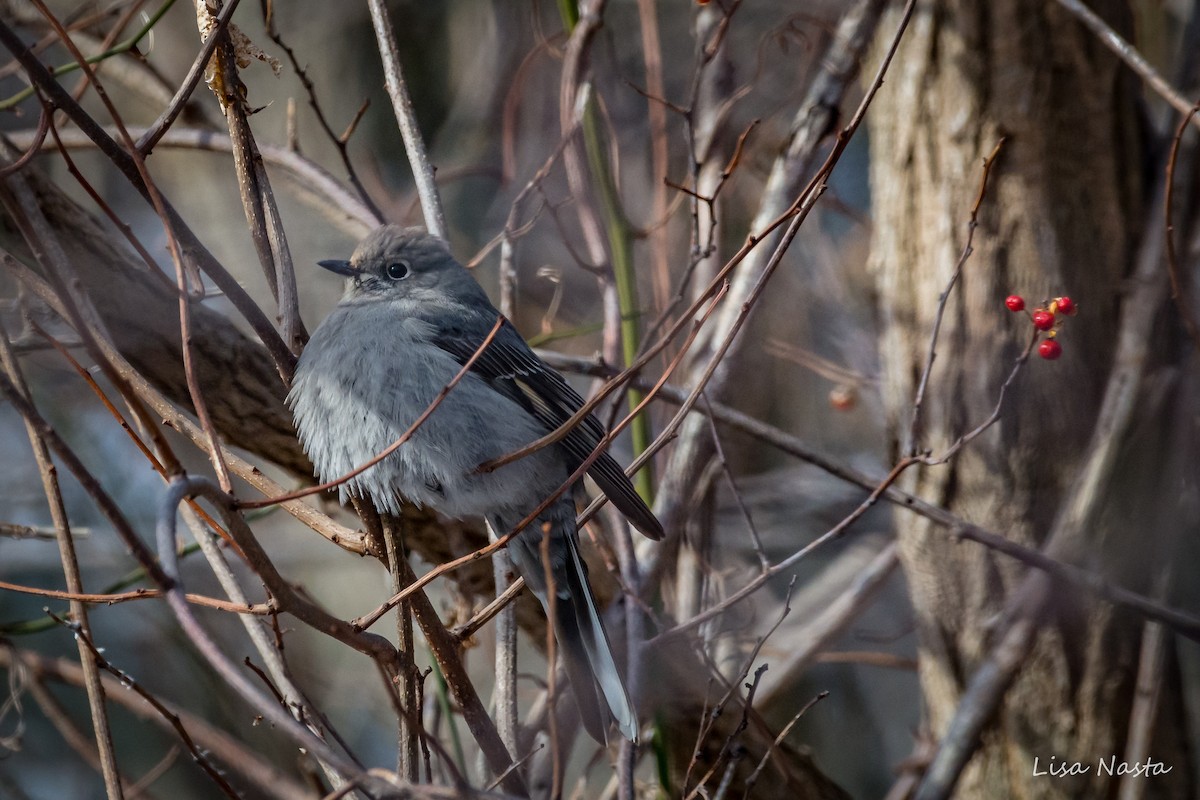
[{"x": 410, "y": 318}]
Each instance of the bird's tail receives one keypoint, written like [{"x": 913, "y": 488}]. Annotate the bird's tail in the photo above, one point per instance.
[{"x": 586, "y": 654}]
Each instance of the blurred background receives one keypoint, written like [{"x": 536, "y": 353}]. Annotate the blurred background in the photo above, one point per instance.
[{"x": 486, "y": 83}]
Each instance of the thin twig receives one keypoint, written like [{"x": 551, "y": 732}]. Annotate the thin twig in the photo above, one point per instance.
[
  {"x": 74, "y": 579},
  {"x": 1180, "y": 292},
  {"x": 111, "y": 599},
  {"x": 763, "y": 561},
  {"x": 340, "y": 142},
  {"x": 39, "y": 138},
  {"x": 94, "y": 654},
  {"x": 783, "y": 732},
  {"x": 914, "y": 428}
]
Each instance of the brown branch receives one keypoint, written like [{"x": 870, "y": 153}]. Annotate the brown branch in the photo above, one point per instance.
[
  {"x": 74, "y": 578},
  {"x": 1179, "y": 292},
  {"x": 230, "y": 752},
  {"x": 149, "y": 138},
  {"x": 39, "y": 138},
  {"x": 261, "y": 609}
]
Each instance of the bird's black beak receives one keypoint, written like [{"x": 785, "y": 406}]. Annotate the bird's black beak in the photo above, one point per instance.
[{"x": 341, "y": 268}]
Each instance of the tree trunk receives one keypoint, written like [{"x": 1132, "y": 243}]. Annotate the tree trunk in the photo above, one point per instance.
[{"x": 1063, "y": 215}]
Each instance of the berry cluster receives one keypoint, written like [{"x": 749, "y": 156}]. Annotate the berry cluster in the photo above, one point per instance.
[{"x": 1046, "y": 318}]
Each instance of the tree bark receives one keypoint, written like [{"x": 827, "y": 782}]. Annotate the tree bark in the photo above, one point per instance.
[{"x": 1063, "y": 215}]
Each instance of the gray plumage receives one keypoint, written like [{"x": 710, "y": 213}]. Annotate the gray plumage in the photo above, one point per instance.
[{"x": 410, "y": 318}]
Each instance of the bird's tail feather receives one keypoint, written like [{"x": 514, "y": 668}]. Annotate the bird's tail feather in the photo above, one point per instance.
[{"x": 587, "y": 655}]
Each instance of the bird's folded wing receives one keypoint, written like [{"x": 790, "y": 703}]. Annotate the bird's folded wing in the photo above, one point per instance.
[{"x": 513, "y": 369}]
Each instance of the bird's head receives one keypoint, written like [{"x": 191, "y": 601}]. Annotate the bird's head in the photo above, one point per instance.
[{"x": 395, "y": 263}]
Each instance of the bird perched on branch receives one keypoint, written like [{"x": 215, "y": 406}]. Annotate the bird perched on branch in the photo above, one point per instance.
[{"x": 411, "y": 317}]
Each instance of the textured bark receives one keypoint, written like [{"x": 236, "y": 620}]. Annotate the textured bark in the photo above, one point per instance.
[{"x": 1062, "y": 216}]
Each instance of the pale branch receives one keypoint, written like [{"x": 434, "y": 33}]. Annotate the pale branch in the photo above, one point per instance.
[
  {"x": 313, "y": 184},
  {"x": 414, "y": 144},
  {"x": 790, "y": 179},
  {"x": 1130, "y": 55},
  {"x": 258, "y": 199}
]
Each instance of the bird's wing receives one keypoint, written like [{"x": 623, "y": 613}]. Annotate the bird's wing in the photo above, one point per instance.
[{"x": 510, "y": 367}]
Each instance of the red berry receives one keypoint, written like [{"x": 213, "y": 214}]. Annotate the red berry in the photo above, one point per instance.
[
  {"x": 1049, "y": 349},
  {"x": 1043, "y": 320},
  {"x": 843, "y": 398},
  {"x": 1066, "y": 305},
  {"x": 1015, "y": 302}
]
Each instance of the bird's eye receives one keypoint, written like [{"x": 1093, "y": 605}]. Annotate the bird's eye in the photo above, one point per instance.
[{"x": 397, "y": 270}]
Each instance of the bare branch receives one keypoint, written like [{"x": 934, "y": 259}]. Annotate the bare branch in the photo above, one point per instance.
[{"x": 414, "y": 145}]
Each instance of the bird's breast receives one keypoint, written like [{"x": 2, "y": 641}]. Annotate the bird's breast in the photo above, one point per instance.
[{"x": 361, "y": 384}]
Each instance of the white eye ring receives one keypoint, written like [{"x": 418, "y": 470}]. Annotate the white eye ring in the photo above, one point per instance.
[{"x": 397, "y": 270}]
